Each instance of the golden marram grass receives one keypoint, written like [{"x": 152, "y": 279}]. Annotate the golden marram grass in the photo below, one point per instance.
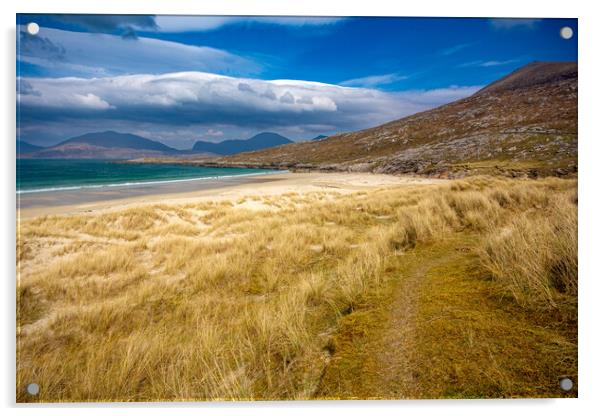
[{"x": 219, "y": 301}]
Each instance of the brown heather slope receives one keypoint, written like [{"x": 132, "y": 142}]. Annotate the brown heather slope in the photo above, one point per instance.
[{"x": 524, "y": 123}]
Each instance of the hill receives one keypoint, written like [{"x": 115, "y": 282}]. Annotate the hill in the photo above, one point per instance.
[
  {"x": 524, "y": 123},
  {"x": 230, "y": 147},
  {"x": 112, "y": 139},
  {"x": 106, "y": 144}
]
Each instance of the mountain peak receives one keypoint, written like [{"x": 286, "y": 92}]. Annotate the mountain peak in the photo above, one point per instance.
[
  {"x": 533, "y": 74},
  {"x": 266, "y": 134},
  {"x": 107, "y": 144},
  {"x": 229, "y": 147},
  {"x": 113, "y": 139}
]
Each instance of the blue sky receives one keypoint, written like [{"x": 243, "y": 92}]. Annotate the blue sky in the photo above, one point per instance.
[{"x": 180, "y": 79}]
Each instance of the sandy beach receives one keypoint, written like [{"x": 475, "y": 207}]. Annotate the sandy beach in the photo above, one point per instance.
[{"x": 32, "y": 205}]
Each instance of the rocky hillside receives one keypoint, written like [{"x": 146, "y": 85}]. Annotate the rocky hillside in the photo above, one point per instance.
[{"x": 524, "y": 123}]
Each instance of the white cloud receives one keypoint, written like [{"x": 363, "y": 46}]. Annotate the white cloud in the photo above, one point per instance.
[
  {"x": 214, "y": 133},
  {"x": 374, "y": 80},
  {"x": 499, "y": 63},
  {"x": 202, "y": 92},
  {"x": 100, "y": 54},
  {"x": 204, "y": 23},
  {"x": 514, "y": 23},
  {"x": 198, "y": 101},
  {"x": 455, "y": 49},
  {"x": 90, "y": 101},
  {"x": 485, "y": 64},
  {"x": 438, "y": 96}
]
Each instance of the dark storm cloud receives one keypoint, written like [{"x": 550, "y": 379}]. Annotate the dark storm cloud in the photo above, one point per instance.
[
  {"x": 245, "y": 87},
  {"x": 107, "y": 23},
  {"x": 40, "y": 47},
  {"x": 129, "y": 34},
  {"x": 25, "y": 88},
  {"x": 66, "y": 53},
  {"x": 305, "y": 100},
  {"x": 269, "y": 94},
  {"x": 287, "y": 98}
]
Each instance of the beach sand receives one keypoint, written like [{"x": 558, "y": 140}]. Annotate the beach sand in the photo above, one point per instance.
[{"x": 65, "y": 202}]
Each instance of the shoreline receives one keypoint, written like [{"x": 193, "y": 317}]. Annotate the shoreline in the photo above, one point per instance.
[
  {"x": 66, "y": 202},
  {"x": 140, "y": 183}
]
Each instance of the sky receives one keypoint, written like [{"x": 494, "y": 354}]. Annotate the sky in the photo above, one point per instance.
[{"x": 179, "y": 79}]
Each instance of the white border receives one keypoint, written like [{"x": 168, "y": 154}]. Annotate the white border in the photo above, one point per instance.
[{"x": 590, "y": 157}]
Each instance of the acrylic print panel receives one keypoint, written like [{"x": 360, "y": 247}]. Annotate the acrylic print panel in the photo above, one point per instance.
[{"x": 295, "y": 208}]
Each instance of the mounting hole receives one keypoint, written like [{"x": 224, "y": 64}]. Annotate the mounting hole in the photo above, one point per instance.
[
  {"x": 566, "y": 33},
  {"x": 33, "y": 389},
  {"x": 566, "y": 384},
  {"x": 33, "y": 28}
]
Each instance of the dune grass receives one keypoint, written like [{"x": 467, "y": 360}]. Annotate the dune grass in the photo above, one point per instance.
[{"x": 219, "y": 301}]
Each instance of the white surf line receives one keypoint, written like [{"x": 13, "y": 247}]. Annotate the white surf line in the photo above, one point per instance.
[{"x": 125, "y": 184}]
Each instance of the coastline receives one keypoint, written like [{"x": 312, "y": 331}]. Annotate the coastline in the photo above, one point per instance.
[
  {"x": 138, "y": 183},
  {"x": 86, "y": 200}
]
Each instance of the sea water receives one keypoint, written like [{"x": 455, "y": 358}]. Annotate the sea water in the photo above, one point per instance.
[{"x": 47, "y": 175}]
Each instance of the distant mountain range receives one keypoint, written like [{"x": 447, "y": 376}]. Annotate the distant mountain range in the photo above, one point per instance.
[
  {"x": 230, "y": 147},
  {"x": 114, "y": 145},
  {"x": 24, "y": 147},
  {"x": 101, "y": 145},
  {"x": 522, "y": 124}
]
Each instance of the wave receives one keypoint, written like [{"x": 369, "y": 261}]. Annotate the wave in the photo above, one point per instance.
[{"x": 124, "y": 184}]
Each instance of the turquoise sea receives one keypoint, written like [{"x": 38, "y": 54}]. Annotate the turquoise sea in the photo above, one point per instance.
[{"x": 45, "y": 175}]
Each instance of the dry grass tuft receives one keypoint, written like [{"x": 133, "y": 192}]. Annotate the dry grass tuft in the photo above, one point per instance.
[{"x": 535, "y": 256}]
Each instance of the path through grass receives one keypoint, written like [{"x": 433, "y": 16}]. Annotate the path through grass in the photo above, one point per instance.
[{"x": 446, "y": 330}]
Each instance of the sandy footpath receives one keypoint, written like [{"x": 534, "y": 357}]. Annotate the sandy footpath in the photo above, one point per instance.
[{"x": 103, "y": 199}]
